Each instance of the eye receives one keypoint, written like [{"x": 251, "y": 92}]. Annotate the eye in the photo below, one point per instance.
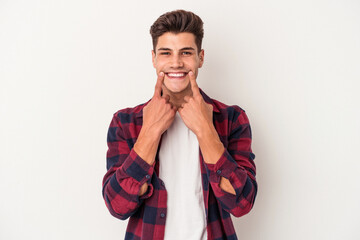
[
  {"x": 187, "y": 53},
  {"x": 165, "y": 53}
]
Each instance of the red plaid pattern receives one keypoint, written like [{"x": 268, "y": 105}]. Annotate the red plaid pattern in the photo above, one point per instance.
[{"x": 127, "y": 172}]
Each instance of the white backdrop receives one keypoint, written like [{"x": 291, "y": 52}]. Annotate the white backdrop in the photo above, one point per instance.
[{"x": 67, "y": 66}]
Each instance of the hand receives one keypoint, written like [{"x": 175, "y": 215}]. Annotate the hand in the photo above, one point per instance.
[
  {"x": 197, "y": 116},
  {"x": 195, "y": 112},
  {"x": 158, "y": 114}
]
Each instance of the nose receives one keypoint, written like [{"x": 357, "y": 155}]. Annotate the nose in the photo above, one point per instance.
[{"x": 176, "y": 61}]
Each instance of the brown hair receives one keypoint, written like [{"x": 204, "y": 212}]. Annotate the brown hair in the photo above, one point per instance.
[{"x": 176, "y": 22}]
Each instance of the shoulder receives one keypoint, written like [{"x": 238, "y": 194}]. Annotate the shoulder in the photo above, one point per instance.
[
  {"x": 129, "y": 114},
  {"x": 227, "y": 109},
  {"x": 224, "y": 111},
  {"x": 231, "y": 120}
]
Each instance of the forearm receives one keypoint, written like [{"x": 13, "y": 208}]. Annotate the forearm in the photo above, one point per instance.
[
  {"x": 212, "y": 149},
  {"x": 146, "y": 147},
  {"x": 227, "y": 171},
  {"x": 128, "y": 179},
  {"x": 143, "y": 189},
  {"x": 147, "y": 144},
  {"x": 226, "y": 186},
  {"x": 210, "y": 144},
  {"x": 230, "y": 168},
  {"x": 122, "y": 184}
]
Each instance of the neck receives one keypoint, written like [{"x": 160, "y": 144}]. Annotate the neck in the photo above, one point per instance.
[{"x": 177, "y": 98}]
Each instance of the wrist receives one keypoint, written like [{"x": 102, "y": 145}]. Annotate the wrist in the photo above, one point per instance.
[
  {"x": 206, "y": 131},
  {"x": 150, "y": 134},
  {"x": 211, "y": 146},
  {"x": 146, "y": 146}
]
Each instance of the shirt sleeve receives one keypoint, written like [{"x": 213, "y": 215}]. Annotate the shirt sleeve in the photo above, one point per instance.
[
  {"x": 126, "y": 173},
  {"x": 237, "y": 165}
]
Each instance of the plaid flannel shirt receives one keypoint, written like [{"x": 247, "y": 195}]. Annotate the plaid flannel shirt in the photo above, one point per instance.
[{"x": 127, "y": 172}]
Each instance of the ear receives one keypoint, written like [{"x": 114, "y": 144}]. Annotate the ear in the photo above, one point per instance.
[
  {"x": 201, "y": 57},
  {"x": 153, "y": 57}
]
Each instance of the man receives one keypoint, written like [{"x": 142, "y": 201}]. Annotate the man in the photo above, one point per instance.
[{"x": 179, "y": 164}]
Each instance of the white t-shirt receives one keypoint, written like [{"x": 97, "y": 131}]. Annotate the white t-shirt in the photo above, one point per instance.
[{"x": 180, "y": 171}]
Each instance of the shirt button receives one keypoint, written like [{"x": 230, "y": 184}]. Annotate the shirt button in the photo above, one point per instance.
[
  {"x": 147, "y": 176},
  {"x": 162, "y": 215},
  {"x": 218, "y": 171}
]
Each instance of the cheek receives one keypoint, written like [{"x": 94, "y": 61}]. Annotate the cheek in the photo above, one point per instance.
[
  {"x": 160, "y": 66},
  {"x": 194, "y": 64}
]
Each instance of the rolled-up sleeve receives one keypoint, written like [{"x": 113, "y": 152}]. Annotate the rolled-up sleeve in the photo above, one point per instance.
[
  {"x": 126, "y": 173},
  {"x": 237, "y": 165}
]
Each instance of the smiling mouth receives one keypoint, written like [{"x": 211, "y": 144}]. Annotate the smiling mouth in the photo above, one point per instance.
[{"x": 176, "y": 74}]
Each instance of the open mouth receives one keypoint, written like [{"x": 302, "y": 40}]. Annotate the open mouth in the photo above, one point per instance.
[{"x": 176, "y": 75}]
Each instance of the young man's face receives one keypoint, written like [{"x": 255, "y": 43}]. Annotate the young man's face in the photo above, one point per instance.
[{"x": 176, "y": 55}]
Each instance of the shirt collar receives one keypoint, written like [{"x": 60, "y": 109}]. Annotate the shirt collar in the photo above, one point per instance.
[{"x": 206, "y": 98}]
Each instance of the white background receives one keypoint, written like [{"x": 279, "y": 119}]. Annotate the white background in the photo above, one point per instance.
[{"x": 67, "y": 66}]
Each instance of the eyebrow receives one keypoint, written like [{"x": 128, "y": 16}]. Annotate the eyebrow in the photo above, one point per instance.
[{"x": 168, "y": 49}]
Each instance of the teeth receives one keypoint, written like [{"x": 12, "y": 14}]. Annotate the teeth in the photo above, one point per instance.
[{"x": 176, "y": 74}]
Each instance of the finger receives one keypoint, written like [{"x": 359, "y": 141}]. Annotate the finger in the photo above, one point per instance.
[
  {"x": 180, "y": 110},
  {"x": 174, "y": 108},
  {"x": 186, "y": 98},
  {"x": 167, "y": 98},
  {"x": 194, "y": 86},
  {"x": 159, "y": 83},
  {"x": 181, "y": 113}
]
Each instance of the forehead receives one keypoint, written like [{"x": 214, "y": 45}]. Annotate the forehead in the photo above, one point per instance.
[{"x": 176, "y": 41}]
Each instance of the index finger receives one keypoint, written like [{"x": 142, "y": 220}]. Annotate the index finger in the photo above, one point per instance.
[
  {"x": 159, "y": 83},
  {"x": 194, "y": 86}
]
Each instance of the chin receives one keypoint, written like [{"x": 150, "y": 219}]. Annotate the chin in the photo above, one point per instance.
[{"x": 175, "y": 88}]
